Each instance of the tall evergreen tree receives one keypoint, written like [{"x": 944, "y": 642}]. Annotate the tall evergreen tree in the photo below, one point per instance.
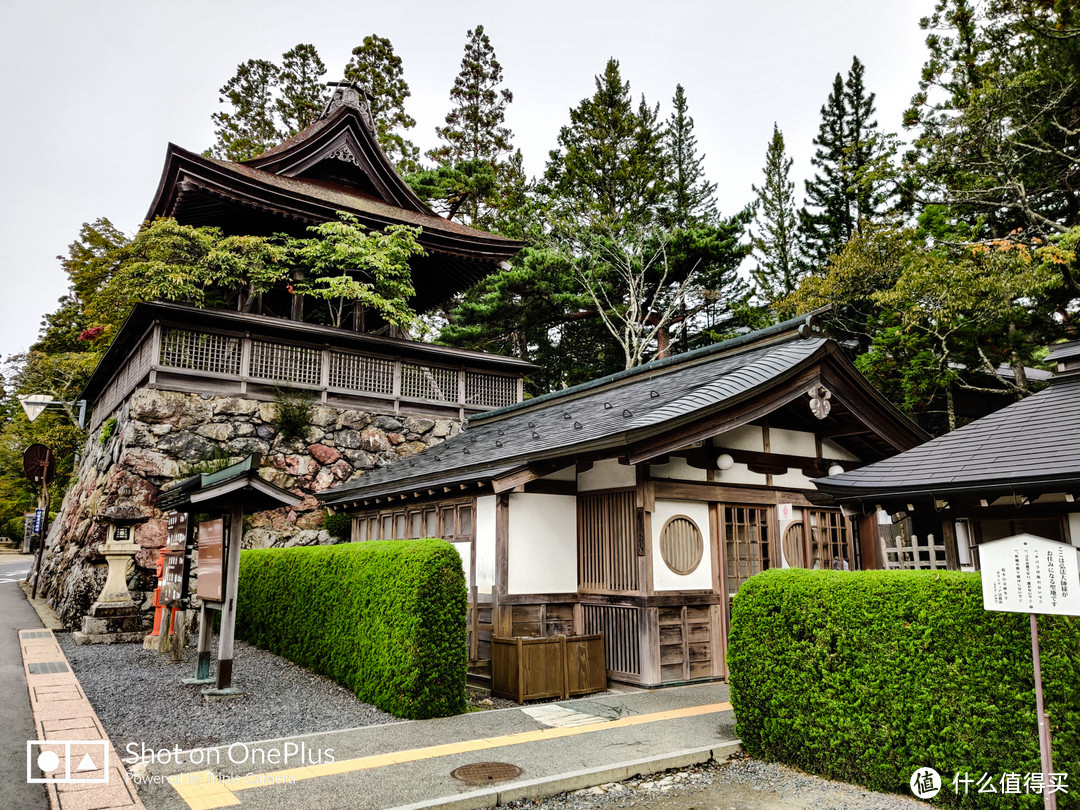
[
  {"x": 251, "y": 126},
  {"x": 689, "y": 195},
  {"x": 853, "y": 170},
  {"x": 775, "y": 240},
  {"x": 301, "y": 88},
  {"x": 375, "y": 66}
]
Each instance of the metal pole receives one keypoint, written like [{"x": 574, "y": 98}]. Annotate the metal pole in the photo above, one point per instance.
[
  {"x": 1045, "y": 753},
  {"x": 41, "y": 538}
]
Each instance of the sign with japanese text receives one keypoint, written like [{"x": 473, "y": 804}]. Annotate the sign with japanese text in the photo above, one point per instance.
[
  {"x": 1029, "y": 574},
  {"x": 212, "y": 560},
  {"x": 176, "y": 531},
  {"x": 174, "y": 578},
  {"x": 39, "y": 520}
]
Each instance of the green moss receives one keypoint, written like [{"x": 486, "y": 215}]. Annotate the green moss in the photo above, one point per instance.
[
  {"x": 108, "y": 428},
  {"x": 867, "y": 676},
  {"x": 384, "y": 619},
  {"x": 339, "y": 525}
]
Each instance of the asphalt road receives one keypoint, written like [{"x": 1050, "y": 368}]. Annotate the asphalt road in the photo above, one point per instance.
[{"x": 15, "y": 718}]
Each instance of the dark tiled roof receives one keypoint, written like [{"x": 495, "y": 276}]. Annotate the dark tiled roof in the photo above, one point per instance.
[
  {"x": 1029, "y": 445},
  {"x": 604, "y": 414}
]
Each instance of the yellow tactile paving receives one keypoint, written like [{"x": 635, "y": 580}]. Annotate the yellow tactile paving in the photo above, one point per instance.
[{"x": 202, "y": 791}]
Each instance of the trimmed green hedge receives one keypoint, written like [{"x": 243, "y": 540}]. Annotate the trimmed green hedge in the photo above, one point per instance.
[
  {"x": 867, "y": 676},
  {"x": 384, "y": 619}
]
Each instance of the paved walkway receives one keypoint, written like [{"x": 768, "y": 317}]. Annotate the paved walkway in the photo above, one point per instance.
[{"x": 547, "y": 748}]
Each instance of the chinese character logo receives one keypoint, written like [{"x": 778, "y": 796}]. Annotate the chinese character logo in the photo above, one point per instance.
[{"x": 925, "y": 783}]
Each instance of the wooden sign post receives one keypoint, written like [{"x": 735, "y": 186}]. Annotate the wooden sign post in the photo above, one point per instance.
[{"x": 1028, "y": 574}]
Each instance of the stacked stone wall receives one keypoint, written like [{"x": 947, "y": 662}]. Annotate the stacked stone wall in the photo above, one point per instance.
[{"x": 161, "y": 436}]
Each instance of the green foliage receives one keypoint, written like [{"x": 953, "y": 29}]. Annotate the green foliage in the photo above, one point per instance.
[
  {"x": 339, "y": 525},
  {"x": 384, "y": 619},
  {"x": 108, "y": 428},
  {"x": 376, "y": 67},
  {"x": 293, "y": 412},
  {"x": 689, "y": 196},
  {"x": 15, "y": 527},
  {"x": 775, "y": 240},
  {"x": 866, "y": 676}
]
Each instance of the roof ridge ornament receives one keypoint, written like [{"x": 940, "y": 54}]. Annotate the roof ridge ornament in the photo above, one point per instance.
[
  {"x": 349, "y": 94},
  {"x": 812, "y": 326}
]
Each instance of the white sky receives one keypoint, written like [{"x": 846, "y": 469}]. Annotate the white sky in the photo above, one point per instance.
[{"x": 91, "y": 92}]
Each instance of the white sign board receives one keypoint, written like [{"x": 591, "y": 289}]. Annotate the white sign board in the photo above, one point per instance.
[
  {"x": 784, "y": 511},
  {"x": 1029, "y": 574}
]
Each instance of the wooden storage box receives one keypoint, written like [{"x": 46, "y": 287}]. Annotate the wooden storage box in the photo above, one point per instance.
[{"x": 556, "y": 666}]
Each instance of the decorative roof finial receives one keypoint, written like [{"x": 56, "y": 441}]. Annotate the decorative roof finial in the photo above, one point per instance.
[{"x": 349, "y": 94}]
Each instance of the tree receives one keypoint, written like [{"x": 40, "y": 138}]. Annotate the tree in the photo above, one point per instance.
[
  {"x": 475, "y": 134},
  {"x": 375, "y": 66},
  {"x": 300, "y": 81},
  {"x": 689, "y": 195},
  {"x": 777, "y": 272},
  {"x": 854, "y": 178},
  {"x": 268, "y": 103}
]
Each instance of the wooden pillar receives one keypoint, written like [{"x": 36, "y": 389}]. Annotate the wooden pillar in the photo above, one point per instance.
[
  {"x": 869, "y": 547},
  {"x": 501, "y": 618},
  {"x": 228, "y": 609}
]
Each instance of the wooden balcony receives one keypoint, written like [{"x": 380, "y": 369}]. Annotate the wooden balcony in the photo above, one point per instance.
[{"x": 232, "y": 354}]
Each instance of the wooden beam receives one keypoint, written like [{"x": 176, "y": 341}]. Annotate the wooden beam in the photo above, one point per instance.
[{"x": 502, "y": 541}]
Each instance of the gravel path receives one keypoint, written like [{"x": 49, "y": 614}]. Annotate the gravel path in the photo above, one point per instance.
[
  {"x": 138, "y": 696},
  {"x": 739, "y": 784}
]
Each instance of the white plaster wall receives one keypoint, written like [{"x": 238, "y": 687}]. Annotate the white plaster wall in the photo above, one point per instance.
[
  {"x": 830, "y": 449},
  {"x": 796, "y": 515},
  {"x": 1074, "y": 527},
  {"x": 678, "y": 468},
  {"x": 664, "y": 579},
  {"x": 542, "y": 549},
  {"x": 607, "y": 474},
  {"x": 485, "y": 543},
  {"x": 792, "y": 479},
  {"x": 738, "y": 474},
  {"x": 744, "y": 437},
  {"x": 464, "y": 550},
  {"x": 792, "y": 442}
]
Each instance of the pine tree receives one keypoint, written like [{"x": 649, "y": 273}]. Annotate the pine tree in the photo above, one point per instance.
[
  {"x": 777, "y": 271},
  {"x": 689, "y": 196},
  {"x": 608, "y": 171},
  {"x": 375, "y": 66},
  {"x": 301, "y": 88},
  {"x": 250, "y": 128}
]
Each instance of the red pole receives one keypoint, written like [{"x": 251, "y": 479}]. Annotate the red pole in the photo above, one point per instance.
[{"x": 1045, "y": 753}]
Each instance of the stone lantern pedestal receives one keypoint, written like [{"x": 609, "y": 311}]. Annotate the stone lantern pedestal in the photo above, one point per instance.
[{"x": 114, "y": 617}]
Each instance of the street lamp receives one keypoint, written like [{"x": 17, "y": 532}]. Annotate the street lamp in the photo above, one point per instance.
[{"x": 36, "y": 404}]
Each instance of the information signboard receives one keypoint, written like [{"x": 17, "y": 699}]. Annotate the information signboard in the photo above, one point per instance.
[
  {"x": 1029, "y": 574},
  {"x": 176, "y": 531},
  {"x": 174, "y": 579},
  {"x": 212, "y": 560}
]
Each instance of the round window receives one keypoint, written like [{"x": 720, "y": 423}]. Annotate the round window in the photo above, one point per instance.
[{"x": 681, "y": 544}]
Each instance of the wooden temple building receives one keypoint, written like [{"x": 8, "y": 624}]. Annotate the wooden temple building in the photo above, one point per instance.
[{"x": 637, "y": 504}]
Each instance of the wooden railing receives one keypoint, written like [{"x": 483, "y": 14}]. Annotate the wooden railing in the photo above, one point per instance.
[{"x": 237, "y": 361}]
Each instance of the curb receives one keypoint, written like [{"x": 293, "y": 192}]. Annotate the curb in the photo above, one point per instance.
[{"x": 578, "y": 780}]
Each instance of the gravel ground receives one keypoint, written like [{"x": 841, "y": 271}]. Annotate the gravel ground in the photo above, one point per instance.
[
  {"x": 138, "y": 696},
  {"x": 738, "y": 784}
]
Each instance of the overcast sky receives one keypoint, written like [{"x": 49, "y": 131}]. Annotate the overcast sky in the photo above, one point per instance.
[{"x": 91, "y": 92}]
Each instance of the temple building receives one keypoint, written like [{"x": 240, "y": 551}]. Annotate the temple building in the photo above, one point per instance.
[{"x": 636, "y": 505}]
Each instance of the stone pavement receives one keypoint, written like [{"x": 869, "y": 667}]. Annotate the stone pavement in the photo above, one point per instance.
[
  {"x": 527, "y": 752},
  {"x": 71, "y": 753}
]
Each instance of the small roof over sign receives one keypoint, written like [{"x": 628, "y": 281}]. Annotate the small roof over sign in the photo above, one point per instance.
[{"x": 224, "y": 489}]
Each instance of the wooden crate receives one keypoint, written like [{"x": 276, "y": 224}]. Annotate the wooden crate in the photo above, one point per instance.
[{"x": 557, "y": 666}]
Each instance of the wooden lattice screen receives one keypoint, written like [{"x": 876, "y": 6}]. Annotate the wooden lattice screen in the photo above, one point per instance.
[
  {"x": 607, "y": 526},
  {"x": 830, "y": 544},
  {"x": 619, "y": 626},
  {"x": 357, "y": 372},
  {"x": 746, "y": 544},
  {"x": 902, "y": 553}
]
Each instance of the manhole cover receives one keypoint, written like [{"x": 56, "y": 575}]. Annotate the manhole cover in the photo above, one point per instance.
[{"x": 484, "y": 773}]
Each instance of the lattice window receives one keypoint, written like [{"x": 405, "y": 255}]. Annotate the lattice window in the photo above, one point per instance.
[
  {"x": 830, "y": 545},
  {"x": 429, "y": 382},
  {"x": 200, "y": 351},
  {"x": 620, "y": 628},
  {"x": 271, "y": 361},
  {"x": 794, "y": 545},
  {"x": 360, "y": 373},
  {"x": 746, "y": 544},
  {"x": 453, "y": 521},
  {"x": 490, "y": 390},
  {"x": 681, "y": 544},
  {"x": 607, "y": 528}
]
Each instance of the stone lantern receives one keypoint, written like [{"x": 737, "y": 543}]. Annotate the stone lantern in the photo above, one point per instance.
[{"x": 114, "y": 616}]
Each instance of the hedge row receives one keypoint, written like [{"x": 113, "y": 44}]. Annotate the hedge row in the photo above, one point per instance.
[
  {"x": 384, "y": 619},
  {"x": 867, "y": 676}
]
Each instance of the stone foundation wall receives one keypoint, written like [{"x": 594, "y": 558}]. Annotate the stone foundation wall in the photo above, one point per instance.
[{"x": 161, "y": 436}]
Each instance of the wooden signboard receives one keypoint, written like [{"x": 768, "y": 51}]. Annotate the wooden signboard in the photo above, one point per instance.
[
  {"x": 212, "y": 560},
  {"x": 176, "y": 531}
]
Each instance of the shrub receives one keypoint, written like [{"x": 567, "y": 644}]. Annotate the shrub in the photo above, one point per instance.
[
  {"x": 867, "y": 676},
  {"x": 384, "y": 619},
  {"x": 339, "y": 525},
  {"x": 293, "y": 412},
  {"x": 108, "y": 428}
]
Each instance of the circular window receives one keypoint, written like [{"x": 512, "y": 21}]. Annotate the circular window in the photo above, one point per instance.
[{"x": 681, "y": 544}]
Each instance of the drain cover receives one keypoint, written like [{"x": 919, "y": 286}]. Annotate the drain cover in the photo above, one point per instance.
[{"x": 484, "y": 773}]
